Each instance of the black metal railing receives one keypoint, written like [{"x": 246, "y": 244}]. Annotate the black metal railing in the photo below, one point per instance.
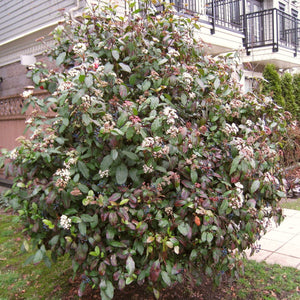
[
  {"x": 226, "y": 13},
  {"x": 271, "y": 27}
]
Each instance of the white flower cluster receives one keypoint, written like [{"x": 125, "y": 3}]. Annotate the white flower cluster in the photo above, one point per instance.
[
  {"x": 172, "y": 131},
  {"x": 247, "y": 152},
  {"x": 109, "y": 124},
  {"x": 236, "y": 103},
  {"x": 187, "y": 78},
  {"x": 104, "y": 173},
  {"x": 59, "y": 29},
  {"x": 65, "y": 85},
  {"x": 150, "y": 142},
  {"x": 171, "y": 115},
  {"x": 231, "y": 129},
  {"x": 270, "y": 178},
  {"x": 172, "y": 52},
  {"x": 147, "y": 169},
  {"x": 27, "y": 94},
  {"x": 13, "y": 154},
  {"x": 64, "y": 176},
  {"x": 249, "y": 123},
  {"x": 86, "y": 102},
  {"x": 238, "y": 142},
  {"x": 237, "y": 203},
  {"x": 65, "y": 222},
  {"x": 73, "y": 72},
  {"x": 79, "y": 48}
]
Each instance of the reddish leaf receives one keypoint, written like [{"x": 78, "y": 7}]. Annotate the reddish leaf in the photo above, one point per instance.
[
  {"x": 113, "y": 218},
  {"x": 155, "y": 271},
  {"x": 197, "y": 221},
  {"x": 114, "y": 197},
  {"x": 102, "y": 268}
]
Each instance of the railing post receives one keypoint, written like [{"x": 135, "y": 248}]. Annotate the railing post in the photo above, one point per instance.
[
  {"x": 245, "y": 28},
  {"x": 275, "y": 32},
  {"x": 296, "y": 37},
  {"x": 213, "y": 23}
]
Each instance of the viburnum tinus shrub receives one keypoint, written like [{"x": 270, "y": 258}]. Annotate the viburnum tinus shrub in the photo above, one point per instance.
[{"x": 155, "y": 163}]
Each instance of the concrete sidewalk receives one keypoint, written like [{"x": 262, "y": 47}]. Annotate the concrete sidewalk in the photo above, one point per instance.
[{"x": 281, "y": 245}]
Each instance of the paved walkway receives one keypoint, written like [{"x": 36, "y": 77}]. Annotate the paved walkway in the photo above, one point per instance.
[{"x": 281, "y": 245}]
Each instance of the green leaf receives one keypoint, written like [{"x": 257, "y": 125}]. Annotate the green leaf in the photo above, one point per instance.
[
  {"x": 115, "y": 54},
  {"x": 117, "y": 244},
  {"x": 146, "y": 85},
  {"x": 78, "y": 96},
  {"x": 121, "y": 174},
  {"x": 130, "y": 155},
  {"x": 162, "y": 61},
  {"x": 81, "y": 78},
  {"x": 132, "y": 79},
  {"x": 83, "y": 188},
  {"x": 235, "y": 164},
  {"x": 36, "y": 78},
  {"x": 65, "y": 121},
  {"x": 130, "y": 265},
  {"x": 124, "y": 201},
  {"x": 48, "y": 223},
  {"x": 106, "y": 162},
  {"x": 89, "y": 80},
  {"x": 82, "y": 228},
  {"x": 122, "y": 119},
  {"x": 166, "y": 278},
  {"x": 184, "y": 228},
  {"x": 60, "y": 58},
  {"x": 209, "y": 237},
  {"x": 130, "y": 133},
  {"x": 109, "y": 289},
  {"x": 194, "y": 175},
  {"x": 108, "y": 68},
  {"x": 255, "y": 186},
  {"x": 83, "y": 169},
  {"x": 154, "y": 102},
  {"x": 223, "y": 207},
  {"x": 38, "y": 257},
  {"x": 86, "y": 218},
  {"x": 194, "y": 254},
  {"x": 54, "y": 240},
  {"x": 125, "y": 67},
  {"x": 86, "y": 119},
  {"x": 217, "y": 83},
  {"x": 156, "y": 125},
  {"x": 114, "y": 154},
  {"x": 204, "y": 236},
  {"x": 70, "y": 211}
]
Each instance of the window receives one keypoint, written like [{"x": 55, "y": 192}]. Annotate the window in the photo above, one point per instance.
[
  {"x": 294, "y": 13},
  {"x": 281, "y": 6}
]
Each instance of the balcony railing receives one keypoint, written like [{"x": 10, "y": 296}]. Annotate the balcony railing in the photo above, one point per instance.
[
  {"x": 272, "y": 28},
  {"x": 225, "y": 13}
]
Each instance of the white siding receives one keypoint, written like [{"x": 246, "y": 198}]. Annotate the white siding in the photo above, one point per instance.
[{"x": 21, "y": 17}]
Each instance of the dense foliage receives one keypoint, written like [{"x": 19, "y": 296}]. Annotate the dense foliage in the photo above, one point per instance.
[
  {"x": 155, "y": 164},
  {"x": 288, "y": 93},
  {"x": 272, "y": 84},
  {"x": 296, "y": 89}
]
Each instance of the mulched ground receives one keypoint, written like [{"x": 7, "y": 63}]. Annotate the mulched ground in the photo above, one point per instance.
[{"x": 206, "y": 291}]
